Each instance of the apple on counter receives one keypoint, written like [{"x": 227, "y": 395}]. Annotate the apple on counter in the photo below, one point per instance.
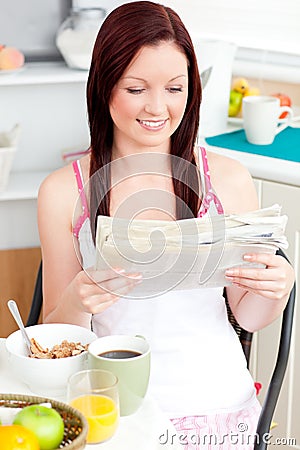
[
  {"x": 46, "y": 423},
  {"x": 235, "y": 103},
  {"x": 10, "y": 58}
]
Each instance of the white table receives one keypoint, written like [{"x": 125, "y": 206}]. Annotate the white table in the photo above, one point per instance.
[{"x": 138, "y": 431}]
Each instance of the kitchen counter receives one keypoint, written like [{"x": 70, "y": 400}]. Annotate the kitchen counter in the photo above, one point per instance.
[
  {"x": 43, "y": 73},
  {"x": 23, "y": 186},
  {"x": 263, "y": 167}
]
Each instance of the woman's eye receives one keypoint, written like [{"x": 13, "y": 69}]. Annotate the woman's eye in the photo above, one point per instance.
[
  {"x": 135, "y": 90},
  {"x": 175, "y": 89}
]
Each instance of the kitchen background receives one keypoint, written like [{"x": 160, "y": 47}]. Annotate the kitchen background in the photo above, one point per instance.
[
  {"x": 47, "y": 99},
  {"x": 266, "y": 34}
]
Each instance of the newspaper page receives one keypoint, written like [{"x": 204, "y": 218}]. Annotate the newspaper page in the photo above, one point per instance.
[{"x": 188, "y": 253}]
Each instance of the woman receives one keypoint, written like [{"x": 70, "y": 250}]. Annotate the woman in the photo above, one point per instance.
[{"x": 143, "y": 97}]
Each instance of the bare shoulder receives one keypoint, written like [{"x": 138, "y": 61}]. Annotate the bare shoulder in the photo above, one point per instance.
[
  {"x": 227, "y": 167},
  {"x": 61, "y": 183},
  {"x": 232, "y": 183},
  {"x": 58, "y": 185}
]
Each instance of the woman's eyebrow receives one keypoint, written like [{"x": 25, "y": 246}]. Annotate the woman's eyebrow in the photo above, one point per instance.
[
  {"x": 133, "y": 78},
  {"x": 142, "y": 79},
  {"x": 178, "y": 76}
]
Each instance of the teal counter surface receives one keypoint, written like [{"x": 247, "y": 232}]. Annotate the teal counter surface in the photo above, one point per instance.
[{"x": 286, "y": 144}]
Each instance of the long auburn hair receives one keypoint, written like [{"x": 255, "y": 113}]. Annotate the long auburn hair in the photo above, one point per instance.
[{"x": 124, "y": 32}]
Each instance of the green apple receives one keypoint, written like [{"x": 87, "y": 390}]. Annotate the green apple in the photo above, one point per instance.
[
  {"x": 46, "y": 423},
  {"x": 235, "y": 103}
]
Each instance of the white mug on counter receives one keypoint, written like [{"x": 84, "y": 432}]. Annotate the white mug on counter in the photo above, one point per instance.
[{"x": 261, "y": 115}]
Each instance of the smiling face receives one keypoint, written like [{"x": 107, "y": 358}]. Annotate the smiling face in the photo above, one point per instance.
[{"x": 149, "y": 100}]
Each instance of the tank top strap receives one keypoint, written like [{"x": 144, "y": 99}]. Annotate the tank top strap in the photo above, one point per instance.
[
  {"x": 208, "y": 194},
  {"x": 204, "y": 171},
  {"x": 84, "y": 203}
]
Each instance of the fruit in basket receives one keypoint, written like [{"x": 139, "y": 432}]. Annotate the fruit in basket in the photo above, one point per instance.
[
  {"x": 17, "y": 437},
  {"x": 240, "y": 85},
  {"x": 235, "y": 103},
  {"x": 285, "y": 100},
  {"x": 10, "y": 58},
  {"x": 46, "y": 423}
]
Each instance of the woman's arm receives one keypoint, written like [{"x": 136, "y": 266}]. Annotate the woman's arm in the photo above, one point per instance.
[
  {"x": 256, "y": 296},
  {"x": 70, "y": 294}
]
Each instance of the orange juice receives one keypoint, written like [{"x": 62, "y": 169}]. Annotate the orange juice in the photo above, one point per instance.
[{"x": 102, "y": 415}]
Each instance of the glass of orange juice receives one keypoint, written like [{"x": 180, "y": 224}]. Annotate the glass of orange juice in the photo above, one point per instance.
[{"x": 94, "y": 392}]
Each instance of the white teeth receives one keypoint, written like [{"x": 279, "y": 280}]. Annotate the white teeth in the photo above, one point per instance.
[{"x": 152, "y": 124}]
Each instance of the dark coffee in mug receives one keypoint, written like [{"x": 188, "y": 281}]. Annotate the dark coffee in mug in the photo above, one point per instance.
[{"x": 119, "y": 354}]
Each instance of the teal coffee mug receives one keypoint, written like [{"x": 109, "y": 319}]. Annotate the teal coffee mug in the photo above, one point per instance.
[{"x": 128, "y": 357}]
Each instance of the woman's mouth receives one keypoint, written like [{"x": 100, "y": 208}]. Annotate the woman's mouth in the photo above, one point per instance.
[{"x": 152, "y": 125}]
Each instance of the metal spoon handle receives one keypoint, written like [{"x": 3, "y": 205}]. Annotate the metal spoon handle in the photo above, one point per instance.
[{"x": 13, "y": 307}]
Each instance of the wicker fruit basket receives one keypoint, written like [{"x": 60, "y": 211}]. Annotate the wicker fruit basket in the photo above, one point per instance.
[{"x": 76, "y": 426}]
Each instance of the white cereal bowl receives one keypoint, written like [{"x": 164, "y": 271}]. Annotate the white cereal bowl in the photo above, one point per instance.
[{"x": 47, "y": 377}]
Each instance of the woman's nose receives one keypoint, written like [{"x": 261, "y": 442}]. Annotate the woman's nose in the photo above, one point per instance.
[{"x": 156, "y": 104}]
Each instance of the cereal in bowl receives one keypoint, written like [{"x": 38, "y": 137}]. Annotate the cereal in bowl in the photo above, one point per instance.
[{"x": 63, "y": 350}]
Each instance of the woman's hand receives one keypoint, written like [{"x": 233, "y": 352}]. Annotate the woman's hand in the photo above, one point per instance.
[
  {"x": 94, "y": 291},
  {"x": 275, "y": 281}
]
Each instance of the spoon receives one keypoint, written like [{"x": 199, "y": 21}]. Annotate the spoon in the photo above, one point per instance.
[{"x": 13, "y": 307}]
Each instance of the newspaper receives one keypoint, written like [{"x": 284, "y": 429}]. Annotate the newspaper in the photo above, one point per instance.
[{"x": 190, "y": 253}]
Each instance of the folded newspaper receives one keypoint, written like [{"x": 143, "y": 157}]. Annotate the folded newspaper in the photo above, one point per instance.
[{"x": 189, "y": 253}]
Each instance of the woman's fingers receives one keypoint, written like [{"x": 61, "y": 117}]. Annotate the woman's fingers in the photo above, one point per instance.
[
  {"x": 253, "y": 274},
  {"x": 100, "y": 289},
  {"x": 266, "y": 285},
  {"x": 98, "y": 276},
  {"x": 99, "y": 303},
  {"x": 274, "y": 268},
  {"x": 266, "y": 289},
  {"x": 267, "y": 259},
  {"x": 114, "y": 285},
  {"x": 274, "y": 281},
  {"x": 109, "y": 279}
]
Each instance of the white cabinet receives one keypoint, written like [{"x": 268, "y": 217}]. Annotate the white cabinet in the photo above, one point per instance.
[
  {"x": 265, "y": 344},
  {"x": 49, "y": 103}
]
